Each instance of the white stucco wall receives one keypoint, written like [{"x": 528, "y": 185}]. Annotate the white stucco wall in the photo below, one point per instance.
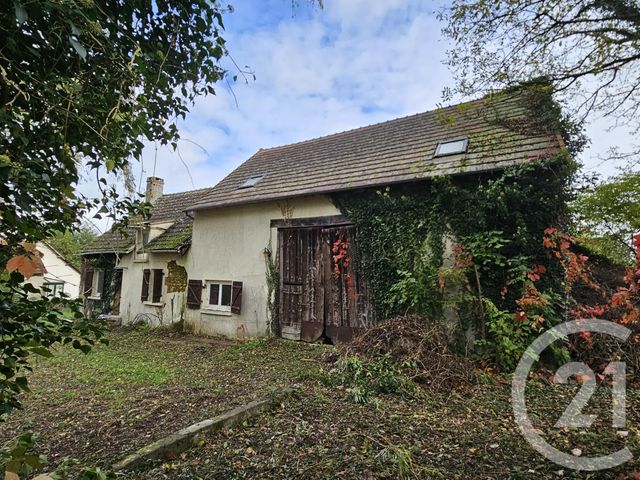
[
  {"x": 228, "y": 245},
  {"x": 58, "y": 269},
  {"x": 169, "y": 310}
]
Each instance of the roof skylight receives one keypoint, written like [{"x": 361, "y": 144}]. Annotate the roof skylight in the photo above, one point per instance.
[
  {"x": 451, "y": 147},
  {"x": 251, "y": 181}
]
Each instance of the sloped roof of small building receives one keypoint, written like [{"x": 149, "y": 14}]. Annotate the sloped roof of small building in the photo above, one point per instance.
[
  {"x": 175, "y": 239},
  {"x": 112, "y": 241},
  {"x": 395, "y": 151},
  {"x": 168, "y": 208}
]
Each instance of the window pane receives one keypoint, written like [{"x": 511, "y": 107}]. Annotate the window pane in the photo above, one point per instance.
[
  {"x": 452, "y": 147},
  {"x": 214, "y": 291},
  {"x": 226, "y": 295},
  {"x": 251, "y": 181}
]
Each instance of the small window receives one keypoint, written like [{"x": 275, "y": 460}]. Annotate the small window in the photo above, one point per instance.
[
  {"x": 97, "y": 284},
  {"x": 219, "y": 295},
  {"x": 251, "y": 181},
  {"x": 152, "y": 282},
  {"x": 55, "y": 288},
  {"x": 451, "y": 147}
]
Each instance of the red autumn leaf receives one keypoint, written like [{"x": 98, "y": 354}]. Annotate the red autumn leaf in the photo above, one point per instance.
[{"x": 27, "y": 264}]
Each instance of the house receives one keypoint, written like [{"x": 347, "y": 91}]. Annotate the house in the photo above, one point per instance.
[
  {"x": 139, "y": 275},
  {"x": 54, "y": 272},
  {"x": 256, "y": 253},
  {"x": 275, "y": 212}
]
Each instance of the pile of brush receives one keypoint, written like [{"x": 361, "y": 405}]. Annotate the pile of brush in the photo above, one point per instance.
[{"x": 419, "y": 348}]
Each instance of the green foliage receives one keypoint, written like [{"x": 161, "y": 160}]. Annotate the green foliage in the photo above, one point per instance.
[
  {"x": 82, "y": 86},
  {"x": 273, "y": 291},
  {"x": 71, "y": 242},
  {"x": 499, "y": 219},
  {"x": 20, "y": 458},
  {"x": 401, "y": 458},
  {"x": 365, "y": 380},
  {"x": 31, "y": 326},
  {"x": 399, "y": 240},
  {"x": 509, "y": 338},
  {"x": 588, "y": 50},
  {"x": 416, "y": 288},
  {"x": 608, "y": 214}
]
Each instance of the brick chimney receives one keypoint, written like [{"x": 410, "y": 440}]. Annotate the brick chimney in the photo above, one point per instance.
[{"x": 154, "y": 189}]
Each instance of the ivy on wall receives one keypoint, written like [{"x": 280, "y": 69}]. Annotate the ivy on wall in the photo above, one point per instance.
[
  {"x": 498, "y": 219},
  {"x": 273, "y": 291}
]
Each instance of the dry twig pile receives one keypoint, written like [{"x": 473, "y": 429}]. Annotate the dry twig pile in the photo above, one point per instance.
[{"x": 419, "y": 347}]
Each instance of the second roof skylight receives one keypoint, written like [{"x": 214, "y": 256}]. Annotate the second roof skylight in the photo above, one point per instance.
[{"x": 251, "y": 181}]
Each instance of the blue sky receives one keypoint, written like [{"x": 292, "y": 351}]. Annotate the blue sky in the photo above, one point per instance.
[{"x": 353, "y": 63}]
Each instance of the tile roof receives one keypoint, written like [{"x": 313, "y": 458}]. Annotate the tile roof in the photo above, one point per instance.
[
  {"x": 168, "y": 208},
  {"x": 113, "y": 241},
  {"x": 395, "y": 151},
  {"x": 175, "y": 239}
]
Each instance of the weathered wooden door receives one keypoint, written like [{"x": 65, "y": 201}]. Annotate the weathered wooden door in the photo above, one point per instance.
[
  {"x": 317, "y": 296},
  {"x": 347, "y": 298},
  {"x": 301, "y": 292}
]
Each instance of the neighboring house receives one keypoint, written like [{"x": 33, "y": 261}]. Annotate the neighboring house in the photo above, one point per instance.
[
  {"x": 139, "y": 275},
  {"x": 55, "y": 273},
  {"x": 274, "y": 214}
]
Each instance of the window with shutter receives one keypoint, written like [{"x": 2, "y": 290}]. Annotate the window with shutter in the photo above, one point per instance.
[
  {"x": 219, "y": 295},
  {"x": 236, "y": 297},
  {"x": 194, "y": 293},
  {"x": 157, "y": 285},
  {"x": 146, "y": 276}
]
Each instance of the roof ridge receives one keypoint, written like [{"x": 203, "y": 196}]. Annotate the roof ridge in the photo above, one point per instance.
[
  {"x": 164, "y": 195},
  {"x": 364, "y": 127}
]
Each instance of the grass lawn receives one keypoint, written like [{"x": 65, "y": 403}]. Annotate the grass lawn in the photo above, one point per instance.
[{"x": 102, "y": 406}]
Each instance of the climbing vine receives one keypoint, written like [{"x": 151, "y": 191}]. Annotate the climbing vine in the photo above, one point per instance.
[
  {"x": 492, "y": 225},
  {"x": 341, "y": 259},
  {"x": 273, "y": 291}
]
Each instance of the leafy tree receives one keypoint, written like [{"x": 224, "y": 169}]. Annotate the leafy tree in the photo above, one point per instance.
[
  {"x": 608, "y": 215},
  {"x": 587, "y": 48},
  {"x": 71, "y": 242},
  {"x": 82, "y": 85}
]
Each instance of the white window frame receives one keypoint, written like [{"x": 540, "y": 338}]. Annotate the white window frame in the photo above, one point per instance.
[
  {"x": 94, "y": 294},
  {"x": 56, "y": 287},
  {"x": 441, "y": 148},
  {"x": 218, "y": 307}
]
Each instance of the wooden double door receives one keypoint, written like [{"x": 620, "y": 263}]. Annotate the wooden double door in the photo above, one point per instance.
[{"x": 322, "y": 295}]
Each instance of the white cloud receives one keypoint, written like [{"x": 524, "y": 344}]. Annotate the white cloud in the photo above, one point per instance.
[{"x": 354, "y": 63}]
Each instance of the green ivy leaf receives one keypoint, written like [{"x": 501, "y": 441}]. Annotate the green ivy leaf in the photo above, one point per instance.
[{"x": 78, "y": 47}]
